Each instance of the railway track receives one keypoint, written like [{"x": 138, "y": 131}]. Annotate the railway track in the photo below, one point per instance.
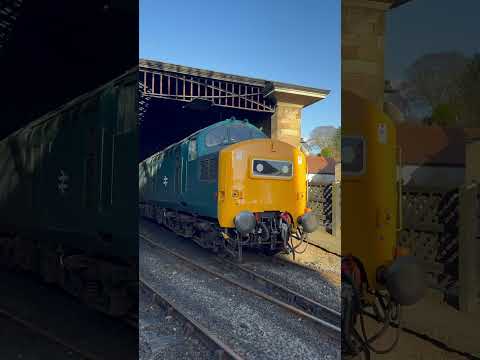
[
  {"x": 273, "y": 292},
  {"x": 49, "y": 336},
  {"x": 44, "y": 319},
  {"x": 310, "y": 243},
  {"x": 221, "y": 350},
  {"x": 292, "y": 297}
]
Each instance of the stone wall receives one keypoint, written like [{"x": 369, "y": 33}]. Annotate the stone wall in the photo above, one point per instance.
[
  {"x": 363, "y": 30},
  {"x": 286, "y": 123}
]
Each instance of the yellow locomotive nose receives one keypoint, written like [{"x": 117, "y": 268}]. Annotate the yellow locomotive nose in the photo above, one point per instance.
[
  {"x": 371, "y": 200},
  {"x": 261, "y": 176}
]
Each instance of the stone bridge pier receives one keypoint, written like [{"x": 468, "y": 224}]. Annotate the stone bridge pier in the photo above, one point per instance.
[{"x": 285, "y": 123}]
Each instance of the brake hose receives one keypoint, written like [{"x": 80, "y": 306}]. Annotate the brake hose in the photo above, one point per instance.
[
  {"x": 350, "y": 330},
  {"x": 300, "y": 237},
  {"x": 387, "y": 318},
  {"x": 367, "y": 342}
]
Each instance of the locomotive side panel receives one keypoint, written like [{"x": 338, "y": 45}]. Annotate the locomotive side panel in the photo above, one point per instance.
[
  {"x": 162, "y": 180},
  {"x": 204, "y": 180},
  {"x": 56, "y": 179},
  {"x": 69, "y": 215},
  {"x": 61, "y": 190},
  {"x": 125, "y": 161}
]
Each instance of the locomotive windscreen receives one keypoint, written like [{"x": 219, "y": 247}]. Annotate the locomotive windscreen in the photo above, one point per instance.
[
  {"x": 230, "y": 134},
  {"x": 240, "y": 133}
]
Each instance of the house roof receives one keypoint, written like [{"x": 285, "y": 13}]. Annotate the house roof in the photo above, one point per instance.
[
  {"x": 434, "y": 146},
  {"x": 321, "y": 165}
]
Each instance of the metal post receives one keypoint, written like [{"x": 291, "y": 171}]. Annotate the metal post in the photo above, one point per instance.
[{"x": 469, "y": 240}]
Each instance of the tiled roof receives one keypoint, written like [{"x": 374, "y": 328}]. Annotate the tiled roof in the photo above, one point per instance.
[
  {"x": 320, "y": 165},
  {"x": 432, "y": 145}
]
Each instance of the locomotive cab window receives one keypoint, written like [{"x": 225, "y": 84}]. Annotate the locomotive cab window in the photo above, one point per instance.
[
  {"x": 242, "y": 133},
  {"x": 217, "y": 136},
  {"x": 353, "y": 155}
]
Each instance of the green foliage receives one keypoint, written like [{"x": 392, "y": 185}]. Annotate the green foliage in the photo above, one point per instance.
[
  {"x": 444, "y": 115},
  {"x": 326, "y": 152}
]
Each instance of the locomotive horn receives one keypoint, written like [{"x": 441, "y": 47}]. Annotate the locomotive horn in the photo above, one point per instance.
[
  {"x": 245, "y": 222},
  {"x": 404, "y": 280}
]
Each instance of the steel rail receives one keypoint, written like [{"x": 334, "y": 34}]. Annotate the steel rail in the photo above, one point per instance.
[
  {"x": 336, "y": 329},
  {"x": 293, "y": 297},
  {"x": 222, "y": 350},
  {"x": 323, "y": 249}
]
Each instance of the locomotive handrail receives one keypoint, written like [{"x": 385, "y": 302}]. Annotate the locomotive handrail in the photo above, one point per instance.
[{"x": 400, "y": 190}]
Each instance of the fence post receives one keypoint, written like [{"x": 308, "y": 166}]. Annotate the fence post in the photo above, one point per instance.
[
  {"x": 336, "y": 203},
  {"x": 469, "y": 247}
]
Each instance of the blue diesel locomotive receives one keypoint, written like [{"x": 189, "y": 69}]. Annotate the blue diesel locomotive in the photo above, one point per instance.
[
  {"x": 68, "y": 197},
  {"x": 229, "y": 186}
]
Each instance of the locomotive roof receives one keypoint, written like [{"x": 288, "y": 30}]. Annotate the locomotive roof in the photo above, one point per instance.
[
  {"x": 227, "y": 121},
  {"x": 77, "y": 100}
]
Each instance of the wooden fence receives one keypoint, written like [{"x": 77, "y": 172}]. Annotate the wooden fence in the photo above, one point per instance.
[
  {"x": 320, "y": 201},
  {"x": 431, "y": 230}
]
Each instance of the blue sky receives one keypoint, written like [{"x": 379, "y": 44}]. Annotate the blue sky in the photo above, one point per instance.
[
  {"x": 429, "y": 26},
  {"x": 290, "y": 41}
]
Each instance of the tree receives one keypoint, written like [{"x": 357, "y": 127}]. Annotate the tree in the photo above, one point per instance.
[
  {"x": 337, "y": 143},
  {"x": 327, "y": 141},
  {"x": 321, "y": 137},
  {"x": 434, "y": 77},
  {"x": 444, "y": 115}
]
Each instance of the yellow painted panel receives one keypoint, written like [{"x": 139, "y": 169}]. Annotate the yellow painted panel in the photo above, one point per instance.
[{"x": 369, "y": 200}]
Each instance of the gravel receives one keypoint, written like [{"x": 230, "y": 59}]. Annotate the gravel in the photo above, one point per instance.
[
  {"x": 309, "y": 279},
  {"x": 254, "y": 327},
  {"x": 161, "y": 335},
  {"x": 305, "y": 281}
]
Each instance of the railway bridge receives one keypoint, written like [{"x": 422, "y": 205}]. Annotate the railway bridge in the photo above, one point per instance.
[{"x": 184, "y": 99}]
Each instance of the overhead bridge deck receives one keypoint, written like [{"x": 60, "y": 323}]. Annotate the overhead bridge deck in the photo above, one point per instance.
[{"x": 194, "y": 98}]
